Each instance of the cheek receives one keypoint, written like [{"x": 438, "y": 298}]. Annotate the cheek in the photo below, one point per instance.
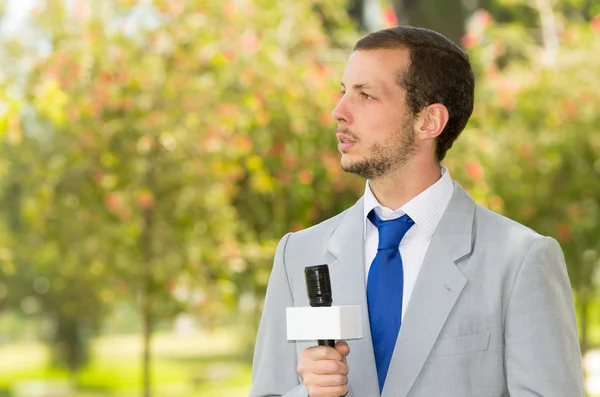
[
  {"x": 376, "y": 123},
  {"x": 381, "y": 127},
  {"x": 374, "y": 118}
]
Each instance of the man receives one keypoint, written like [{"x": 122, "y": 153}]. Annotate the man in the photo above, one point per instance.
[{"x": 459, "y": 301}]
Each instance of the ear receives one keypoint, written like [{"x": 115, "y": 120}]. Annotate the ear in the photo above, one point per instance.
[{"x": 431, "y": 121}]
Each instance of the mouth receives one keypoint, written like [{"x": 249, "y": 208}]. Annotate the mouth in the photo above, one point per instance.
[
  {"x": 344, "y": 139},
  {"x": 345, "y": 143}
]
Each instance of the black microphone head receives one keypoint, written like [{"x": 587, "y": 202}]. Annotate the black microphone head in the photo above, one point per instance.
[{"x": 318, "y": 285}]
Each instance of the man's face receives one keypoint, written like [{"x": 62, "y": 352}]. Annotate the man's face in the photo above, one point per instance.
[{"x": 375, "y": 126}]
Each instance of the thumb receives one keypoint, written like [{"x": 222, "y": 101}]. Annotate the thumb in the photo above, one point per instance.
[{"x": 342, "y": 347}]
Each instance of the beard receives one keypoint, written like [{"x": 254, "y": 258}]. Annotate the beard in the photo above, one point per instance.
[{"x": 387, "y": 156}]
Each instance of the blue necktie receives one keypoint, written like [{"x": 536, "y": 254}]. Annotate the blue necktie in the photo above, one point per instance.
[{"x": 384, "y": 290}]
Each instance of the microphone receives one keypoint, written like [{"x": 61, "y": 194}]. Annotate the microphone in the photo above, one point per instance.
[{"x": 318, "y": 288}]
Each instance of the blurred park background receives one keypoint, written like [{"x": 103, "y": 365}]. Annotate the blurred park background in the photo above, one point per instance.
[{"x": 153, "y": 152}]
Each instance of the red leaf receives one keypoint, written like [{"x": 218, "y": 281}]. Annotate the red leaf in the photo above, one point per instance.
[
  {"x": 145, "y": 199},
  {"x": 250, "y": 43},
  {"x": 475, "y": 170},
  {"x": 389, "y": 17},
  {"x": 570, "y": 108},
  {"x": 306, "y": 177},
  {"x": 564, "y": 232},
  {"x": 469, "y": 40},
  {"x": 596, "y": 24},
  {"x": 112, "y": 202}
]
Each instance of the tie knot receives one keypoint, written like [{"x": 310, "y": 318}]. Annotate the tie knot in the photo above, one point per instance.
[{"x": 390, "y": 232}]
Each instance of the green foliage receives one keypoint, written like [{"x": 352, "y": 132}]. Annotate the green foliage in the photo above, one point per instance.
[
  {"x": 158, "y": 153},
  {"x": 532, "y": 148}
]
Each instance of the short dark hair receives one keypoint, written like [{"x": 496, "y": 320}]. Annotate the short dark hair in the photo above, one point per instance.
[{"x": 439, "y": 72}]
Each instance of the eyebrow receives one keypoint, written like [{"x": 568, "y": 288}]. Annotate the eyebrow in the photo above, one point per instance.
[{"x": 361, "y": 86}]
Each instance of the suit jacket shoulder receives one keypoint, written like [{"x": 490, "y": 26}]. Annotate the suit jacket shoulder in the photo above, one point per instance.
[
  {"x": 321, "y": 231},
  {"x": 314, "y": 239},
  {"x": 499, "y": 234}
]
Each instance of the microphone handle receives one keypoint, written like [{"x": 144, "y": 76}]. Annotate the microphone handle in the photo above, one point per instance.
[{"x": 327, "y": 342}]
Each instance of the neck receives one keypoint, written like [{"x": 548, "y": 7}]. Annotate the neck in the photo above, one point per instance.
[{"x": 401, "y": 185}]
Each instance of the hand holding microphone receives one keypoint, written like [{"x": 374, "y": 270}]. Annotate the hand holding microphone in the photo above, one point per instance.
[
  {"x": 324, "y": 371},
  {"x": 323, "y": 368}
]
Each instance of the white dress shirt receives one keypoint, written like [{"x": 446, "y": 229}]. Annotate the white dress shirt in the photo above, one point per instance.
[{"x": 426, "y": 210}]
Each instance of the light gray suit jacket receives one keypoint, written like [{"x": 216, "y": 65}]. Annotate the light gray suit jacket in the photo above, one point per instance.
[{"x": 491, "y": 314}]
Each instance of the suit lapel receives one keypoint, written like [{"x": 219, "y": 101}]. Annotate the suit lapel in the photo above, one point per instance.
[
  {"x": 437, "y": 288},
  {"x": 347, "y": 271}
]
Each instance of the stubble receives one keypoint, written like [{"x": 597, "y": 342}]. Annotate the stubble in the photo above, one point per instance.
[{"x": 384, "y": 157}]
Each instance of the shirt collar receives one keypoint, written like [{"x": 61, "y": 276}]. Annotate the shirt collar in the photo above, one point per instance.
[{"x": 426, "y": 209}]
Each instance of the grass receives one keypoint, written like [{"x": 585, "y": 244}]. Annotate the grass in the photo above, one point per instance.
[{"x": 193, "y": 365}]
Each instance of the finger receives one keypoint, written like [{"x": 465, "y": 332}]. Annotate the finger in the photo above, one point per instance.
[
  {"x": 318, "y": 391},
  {"x": 343, "y": 367},
  {"x": 342, "y": 347},
  {"x": 321, "y": 353},
  {"x": 331, "y": 380},
  {"x": 329, "y": 367}
]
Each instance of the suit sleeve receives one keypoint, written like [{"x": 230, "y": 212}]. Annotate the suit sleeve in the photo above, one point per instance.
[
  {"x": 274, "y": 370},
  {"x": 542, "y": 355}
]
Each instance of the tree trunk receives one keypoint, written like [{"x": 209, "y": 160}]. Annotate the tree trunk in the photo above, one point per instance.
[
  {"x": 147, "y": 338},
  {"x": 70, "y": 347},
  {"x": 583, "y": 320},
  {"x": 549, "y": 32},
  {"x": 447, "y": 17},
  {"x": 356, "y": 12},
  {"x": 147, "y": 291}
]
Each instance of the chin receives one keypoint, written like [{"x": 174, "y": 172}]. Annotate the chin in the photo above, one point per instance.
[
  {"x": 350, "y": 163},
  {"x": 347, "y": 161},
  {"x": 348, "y": 158}
]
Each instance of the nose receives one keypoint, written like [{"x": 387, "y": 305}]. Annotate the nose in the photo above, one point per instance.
[{"x": 341, "y": 113}]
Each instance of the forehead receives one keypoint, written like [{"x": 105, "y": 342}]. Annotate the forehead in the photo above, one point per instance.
[{"x": 376, "y": 67}]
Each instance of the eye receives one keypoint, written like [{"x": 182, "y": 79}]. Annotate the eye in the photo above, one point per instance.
[{"x": 366, "y": 96}]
